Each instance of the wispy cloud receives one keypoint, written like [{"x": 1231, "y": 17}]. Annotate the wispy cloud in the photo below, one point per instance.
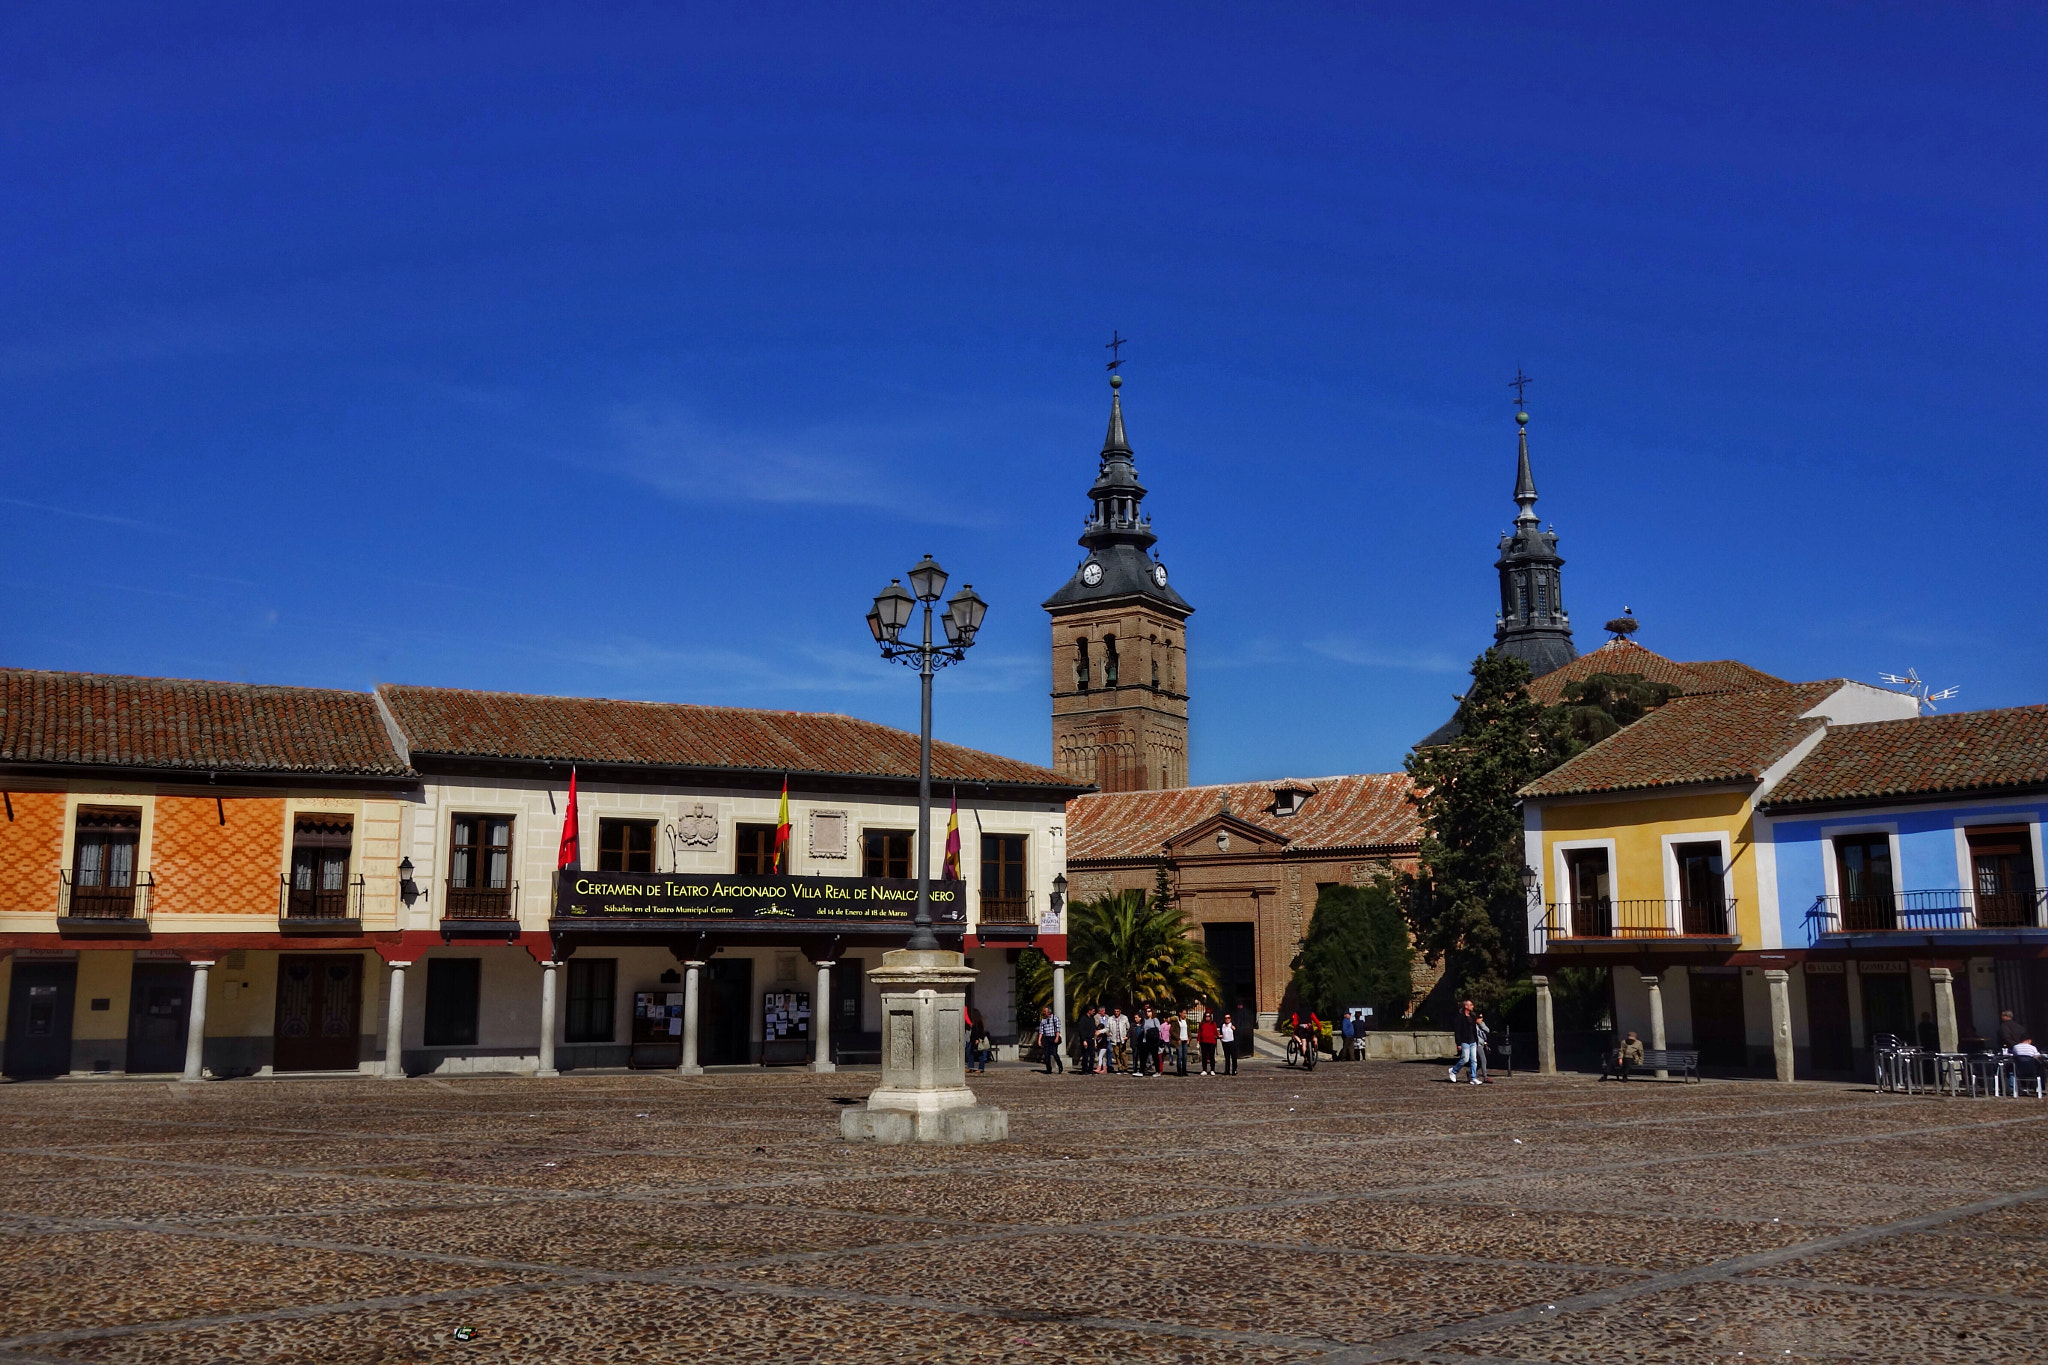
[
  {"x": 128, "y": 522},
  {"x": 1348, "y": 651},
  {"x": 691, "y": 460}
]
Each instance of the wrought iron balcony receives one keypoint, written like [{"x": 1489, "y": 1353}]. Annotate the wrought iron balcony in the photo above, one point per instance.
[
  {"x": 1950, "y": 910},
  {"x": 1008, "y": 909},
  {"x": 480, "y": 902},
  {"x": 1605, "y": 920},
  {"x": 336, "y": 905},
  {"x": 113, "y": 905}
]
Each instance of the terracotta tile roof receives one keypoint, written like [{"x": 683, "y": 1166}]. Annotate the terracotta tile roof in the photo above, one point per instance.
[
  {"x": 1625, "y": 656},
  {"x": 1725, "y": 737},
  {"x": 106, "y": 720},
  {"x": 1969, "y": 751},
  {"x": 456, "y": 723},
  {"x": 1366, "y": 810}
]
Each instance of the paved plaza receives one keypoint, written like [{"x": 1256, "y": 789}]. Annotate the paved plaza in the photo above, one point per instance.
[{"x": 1365, "y": 1212}]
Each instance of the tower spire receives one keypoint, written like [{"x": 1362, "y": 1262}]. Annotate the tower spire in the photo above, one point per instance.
[
  {"x": 1525, "y": 482},
  {"x": 1532, "y": 623}
]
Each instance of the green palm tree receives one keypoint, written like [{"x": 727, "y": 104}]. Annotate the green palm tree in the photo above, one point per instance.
[{"x": 1127, "y": 948}]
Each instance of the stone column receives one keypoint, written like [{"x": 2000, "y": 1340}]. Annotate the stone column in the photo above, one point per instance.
[
  {"x": 1943, "y": 981},
  {"x": 691, "y": 971},
  {"x": 394, "y": 1024},
  {"x": 821, "y": 1021},
  {"x": 1059, "y": 1003},
  {"x": 548, "y": 1008},
  {"x": 923, "y": 1096},
  {"x": 195, "y": 1025},
  {"x": 1780, "y": 983},
  {"x": 1655, "y": 984},
  {"x": 1546, "y": 1029}
]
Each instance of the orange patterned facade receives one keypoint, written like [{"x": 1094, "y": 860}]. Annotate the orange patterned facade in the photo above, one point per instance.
[
  {"x": 218, "y": 855},
  {"x": 31, "y": 850}
]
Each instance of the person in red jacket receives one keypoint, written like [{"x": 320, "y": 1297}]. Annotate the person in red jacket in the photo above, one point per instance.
[{"x": 1206, "y": 1035}]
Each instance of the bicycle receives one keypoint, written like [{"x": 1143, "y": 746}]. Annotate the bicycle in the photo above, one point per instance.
[{"x": 1298, "y": 1055}]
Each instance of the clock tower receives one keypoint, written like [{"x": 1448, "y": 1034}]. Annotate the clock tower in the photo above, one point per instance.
[{"x": 1119, "y": 641}]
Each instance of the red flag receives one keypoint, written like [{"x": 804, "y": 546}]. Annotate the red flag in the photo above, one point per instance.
[
  {"x": 567, "y": 855},
  {"x": 782, "y": 830}
]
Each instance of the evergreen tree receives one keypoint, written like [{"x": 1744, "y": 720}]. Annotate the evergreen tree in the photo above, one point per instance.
[
  {"x": 1597, "y": 706},
  {"x": 1466, "y": 901},
  {"x": 1357, "y": 952}
]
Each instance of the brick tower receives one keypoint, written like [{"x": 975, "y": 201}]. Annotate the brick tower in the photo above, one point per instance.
[{"x": 1119, "y": 642}]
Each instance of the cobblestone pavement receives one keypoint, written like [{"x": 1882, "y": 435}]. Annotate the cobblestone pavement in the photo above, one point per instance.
[{"x": 1365, "y": 1212}]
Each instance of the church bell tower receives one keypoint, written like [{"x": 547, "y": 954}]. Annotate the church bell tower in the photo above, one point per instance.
[
  {"x": 1532, "y": 625},
  {"x": 1119, "y": 641}
]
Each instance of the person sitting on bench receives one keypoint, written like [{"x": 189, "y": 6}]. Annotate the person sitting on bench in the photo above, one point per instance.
[{"x": 1630, "y": 1053}]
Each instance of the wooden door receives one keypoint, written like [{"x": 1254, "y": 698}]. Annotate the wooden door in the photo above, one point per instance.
[
  {"x": 725, "y": 1033},
  {"x": 1888, "y": 1008},
  {"x": 159, "y": 1011},
  {"x": 1718, "y": 1028},
  {"x": 1827, "y": 1023},
  {"x": 319, "y": 1001}
]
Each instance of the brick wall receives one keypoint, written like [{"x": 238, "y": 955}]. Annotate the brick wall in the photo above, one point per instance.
[
  {"x": 204, "y": 867},
  {"x": 31, "y": 852}
]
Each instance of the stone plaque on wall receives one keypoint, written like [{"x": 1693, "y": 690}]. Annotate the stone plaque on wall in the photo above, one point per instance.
[
  {"x": 828, "y": 833},
  {"x": 698, "y": 829}
]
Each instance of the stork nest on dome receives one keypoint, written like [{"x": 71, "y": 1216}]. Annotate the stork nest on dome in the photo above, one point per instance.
[{"x": 1623, "y": 626}]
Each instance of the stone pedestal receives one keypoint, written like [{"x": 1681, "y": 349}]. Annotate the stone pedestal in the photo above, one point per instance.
[
  {"x": 1942, "y": 980},
  {"x": 923, "y": 1096},
  {"x": 1546, "y": 1029},
  {"x": 1779, "y": 983}
]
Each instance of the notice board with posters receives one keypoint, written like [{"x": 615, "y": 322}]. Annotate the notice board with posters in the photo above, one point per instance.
[
  {"x": 657, "y": 1029},
  {"x": 785, "y": 1028}
]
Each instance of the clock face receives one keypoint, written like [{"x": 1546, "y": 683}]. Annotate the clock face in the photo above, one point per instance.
[
  {"x": 1159, "y": 574},
  {"x": 1091, "y": 574}
]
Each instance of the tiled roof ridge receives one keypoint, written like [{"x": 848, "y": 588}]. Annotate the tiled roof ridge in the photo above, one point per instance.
[
  {"x": 1922, "y": 757},
  {"x": 1952, "y": 717},
  {"x": 619, "y": 701},
  {"x": 85, "y": 676}
]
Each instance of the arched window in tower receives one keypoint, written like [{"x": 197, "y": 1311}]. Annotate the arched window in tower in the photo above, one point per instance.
[
  {"x": 1542, "y": 595},
  {"x": 1109, "y": 661},
  {"x": 1522, "y": 598},
  {"x": 1080, "y": 665}
]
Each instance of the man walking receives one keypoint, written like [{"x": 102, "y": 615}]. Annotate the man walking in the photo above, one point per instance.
[
  {"x": 1119, "y": 1040},
  {"x": 1049, "y": 1039},
  {"x": 1180, "y": 1043},
  {"x": 1466, "y": 1031}
]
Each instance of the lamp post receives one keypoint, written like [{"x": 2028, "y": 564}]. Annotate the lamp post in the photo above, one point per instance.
[{"x": 886, "y": 620}]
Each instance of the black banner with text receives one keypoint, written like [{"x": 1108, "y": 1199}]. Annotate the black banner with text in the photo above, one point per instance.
[{"x": 710, "y": 896}]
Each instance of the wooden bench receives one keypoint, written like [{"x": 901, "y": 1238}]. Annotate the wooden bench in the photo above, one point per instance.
[{"x": 1685, "y": 1062}]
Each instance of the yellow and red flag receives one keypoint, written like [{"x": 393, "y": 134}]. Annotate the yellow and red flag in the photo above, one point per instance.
[
  {"x": 782, "y": 830},
  {"x": 951, "y": 870}
]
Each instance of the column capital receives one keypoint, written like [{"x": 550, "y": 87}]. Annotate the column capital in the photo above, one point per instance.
[
  {"x": 1540, "y": 982},
  {"x": 201, "y": 961},
  {"x": 694, "y": 962},
  {"x": 1776, "y": 974},
  {"x": 1653, "y": 980},
  {"x": 398, "y": 966},
  {"x": 1940, "y": 974}
]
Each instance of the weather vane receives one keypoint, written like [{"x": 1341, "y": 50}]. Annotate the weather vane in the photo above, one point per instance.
[
  {"x": 1518, "y": 383},
  {"x": 1115, "y": 349},
  {"x": 1920, "y": 692}
]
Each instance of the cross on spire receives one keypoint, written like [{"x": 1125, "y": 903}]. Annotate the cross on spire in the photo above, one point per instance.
[
  {"x": 1115, "y": 348},
  {"x": 1518, "y": 383}
]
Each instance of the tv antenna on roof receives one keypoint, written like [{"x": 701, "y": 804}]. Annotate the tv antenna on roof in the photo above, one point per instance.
[{"x": 1919, "y": 691}]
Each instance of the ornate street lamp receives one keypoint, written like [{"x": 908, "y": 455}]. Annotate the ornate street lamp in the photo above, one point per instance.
[{"x": 962, "y": 618}]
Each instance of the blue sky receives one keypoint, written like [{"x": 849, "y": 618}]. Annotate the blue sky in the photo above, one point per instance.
[{"x": 627, "y": 350}]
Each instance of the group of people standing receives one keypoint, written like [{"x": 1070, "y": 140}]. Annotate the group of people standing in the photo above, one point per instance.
[{"x": 1110, "y": 1042}]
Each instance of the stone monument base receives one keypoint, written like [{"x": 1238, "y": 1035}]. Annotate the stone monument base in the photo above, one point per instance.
[
  {"x": 973, "y": 1123},
  {"x": 923, "y": 1096}
]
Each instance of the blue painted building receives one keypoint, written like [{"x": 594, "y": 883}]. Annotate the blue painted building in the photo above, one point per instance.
[{"x": 1908, "y": 866}]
